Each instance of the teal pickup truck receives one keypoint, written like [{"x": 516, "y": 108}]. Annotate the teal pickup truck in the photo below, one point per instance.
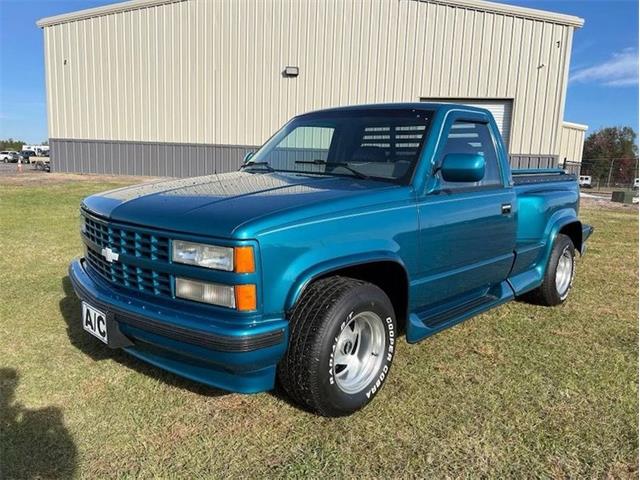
[{"x": 348, "y": 228}]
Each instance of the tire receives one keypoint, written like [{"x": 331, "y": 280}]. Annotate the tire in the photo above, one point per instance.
[
  {"x": 559, "y": 275},
  {"x": 337, "y": 320}
]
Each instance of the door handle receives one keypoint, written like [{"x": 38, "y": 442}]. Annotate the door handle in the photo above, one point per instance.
[{"x": 506, "y": 208}]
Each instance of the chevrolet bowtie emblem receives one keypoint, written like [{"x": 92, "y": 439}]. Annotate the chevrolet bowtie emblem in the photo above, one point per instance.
[{"x": 109, "y": 255}]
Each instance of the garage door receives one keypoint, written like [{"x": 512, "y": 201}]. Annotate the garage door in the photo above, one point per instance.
[{"x": 500, "y": 109}]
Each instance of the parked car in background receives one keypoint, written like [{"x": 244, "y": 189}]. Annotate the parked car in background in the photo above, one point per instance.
[
  {"x": 8, "y": 156},
  {"x": 636, "y": 183},
  {"x": 348, "y": 227},
  {"x": 585, "y": 181},
  {"x": 40, "y": 150},
  {"x": 25, "y": 156}
]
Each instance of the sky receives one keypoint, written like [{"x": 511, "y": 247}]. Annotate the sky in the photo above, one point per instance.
[{"x": 603, "y": 87}]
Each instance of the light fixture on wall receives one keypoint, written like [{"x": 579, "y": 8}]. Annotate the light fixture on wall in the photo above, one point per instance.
[{"x": 290, "y": 71}]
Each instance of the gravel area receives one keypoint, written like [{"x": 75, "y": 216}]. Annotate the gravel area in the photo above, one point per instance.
[{"x": 9, "y": 175}]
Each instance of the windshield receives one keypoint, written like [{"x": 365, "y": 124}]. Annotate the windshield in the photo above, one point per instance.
[{"x": 381, "y": 144}]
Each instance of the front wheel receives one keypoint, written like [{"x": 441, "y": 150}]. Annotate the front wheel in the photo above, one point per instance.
[
  {"x": 342, "y": 344},
  {"x": 559, "y": 275}
]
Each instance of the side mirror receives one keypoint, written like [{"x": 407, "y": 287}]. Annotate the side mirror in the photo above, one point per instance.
[
  {"x": 463, "y": 167},
  {"x": 248, "y": 156}
]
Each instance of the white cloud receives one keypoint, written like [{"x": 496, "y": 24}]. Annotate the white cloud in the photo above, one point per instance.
[{"x": 621, "y": 69}]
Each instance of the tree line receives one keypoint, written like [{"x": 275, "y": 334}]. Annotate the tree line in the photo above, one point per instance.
[
  {"x": 611, "y": 154},
  {"x": 11, "y": 144}
]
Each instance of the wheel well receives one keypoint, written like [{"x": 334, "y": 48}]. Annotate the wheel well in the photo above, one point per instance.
[
  {"x": 573, "y": 230},
  {"x": 389, "y": 276}
]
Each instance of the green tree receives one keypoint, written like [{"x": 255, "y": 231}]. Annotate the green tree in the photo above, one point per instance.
[
  {"x": 607, "y": 144},
  {"x": 11, "y": 144}
]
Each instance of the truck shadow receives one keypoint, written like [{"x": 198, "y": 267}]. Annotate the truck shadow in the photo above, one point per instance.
[
  {"x": 70, "y": 309},
  {"x": 35, "y": 443}
]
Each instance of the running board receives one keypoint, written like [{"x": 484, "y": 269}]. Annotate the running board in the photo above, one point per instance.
[
  {"x": 437, "y": 319},
  {"x": 431, "y": 321}
]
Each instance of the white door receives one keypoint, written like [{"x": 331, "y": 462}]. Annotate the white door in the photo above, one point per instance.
[{"x": 500, "y": 109}]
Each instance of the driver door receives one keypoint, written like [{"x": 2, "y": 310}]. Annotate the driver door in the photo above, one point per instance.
[{"x": 467, "y": 230}]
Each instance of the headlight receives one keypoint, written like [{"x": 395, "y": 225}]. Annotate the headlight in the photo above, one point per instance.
[
  {"x": 208, "y": 256},
  {"x": 214, "y": 293}
]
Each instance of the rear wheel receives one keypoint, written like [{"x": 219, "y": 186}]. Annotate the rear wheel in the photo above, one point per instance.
[
  {"x": 559, "y": 275},
  {"x": 342, "y": 343}
]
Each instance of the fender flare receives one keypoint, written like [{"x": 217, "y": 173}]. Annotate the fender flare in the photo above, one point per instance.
[
  {"x": 557, "y": 222},
  {"x": 324, "y": 268}
]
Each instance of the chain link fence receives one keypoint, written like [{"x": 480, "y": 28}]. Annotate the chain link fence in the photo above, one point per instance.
[{"x": 607, "y": 174}]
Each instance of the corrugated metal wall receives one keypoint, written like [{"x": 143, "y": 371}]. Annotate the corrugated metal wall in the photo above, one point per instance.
[
  {"x": 533, "y": 161},
  {"x": 145, "y": 158},
  {"x": 571, "y": 142},
  {"x": 209, "y": 72},
  {"x": 181, "y": 160}
]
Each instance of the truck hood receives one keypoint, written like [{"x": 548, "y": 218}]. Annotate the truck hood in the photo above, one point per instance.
[{"x": 216, "y": 205}]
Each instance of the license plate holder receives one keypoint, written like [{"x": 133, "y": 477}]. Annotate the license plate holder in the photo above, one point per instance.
[{"x": 94, "y": 321}]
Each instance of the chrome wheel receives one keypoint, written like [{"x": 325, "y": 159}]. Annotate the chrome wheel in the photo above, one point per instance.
[
  {"x": 359, "y": 352},
  {"x": 564, "y": 273}
]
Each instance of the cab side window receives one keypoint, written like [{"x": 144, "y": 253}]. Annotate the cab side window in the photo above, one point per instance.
[{"x": 473, "y": 138}]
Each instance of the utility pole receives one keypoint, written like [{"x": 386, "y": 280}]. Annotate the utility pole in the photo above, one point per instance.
[{"x": 610, "y": 170}]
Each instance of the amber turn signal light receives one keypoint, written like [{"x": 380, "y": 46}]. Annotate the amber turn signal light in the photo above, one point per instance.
[
  {"x": 243, "y": 260},
  {"x": 246, "y": 298}
]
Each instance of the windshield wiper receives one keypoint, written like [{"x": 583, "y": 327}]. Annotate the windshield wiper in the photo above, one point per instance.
[
  {"x": 268, "y": 168},
  {"x": 334, "y": 164}
]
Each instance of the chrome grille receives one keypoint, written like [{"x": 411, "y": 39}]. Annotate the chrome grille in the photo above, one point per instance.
[
  {"x": 126, "y": 240},
  {"x": 130, "y": 242}
]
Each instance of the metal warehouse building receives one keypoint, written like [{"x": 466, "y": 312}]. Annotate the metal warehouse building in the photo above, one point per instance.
[{"x": 181, "y": 88}]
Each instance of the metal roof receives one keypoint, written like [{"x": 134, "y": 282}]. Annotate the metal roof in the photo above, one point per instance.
[
  {"x": 575, "y": 126},
  {"x": 515, "y": 11},
  {"x": 100, "y": 11},
  {"x": 481, "y": 5}
]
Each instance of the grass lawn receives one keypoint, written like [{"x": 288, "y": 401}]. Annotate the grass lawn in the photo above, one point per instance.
[{"x": 522, "y": 391}]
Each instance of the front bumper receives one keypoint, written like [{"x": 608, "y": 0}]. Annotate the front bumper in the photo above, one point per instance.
[{"x": 236, "y": 358}]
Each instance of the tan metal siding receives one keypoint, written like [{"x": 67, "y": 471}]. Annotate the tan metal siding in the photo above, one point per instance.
[
  {"x": 209, "y": 71},
  {"x": 571, "y": 142}
]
